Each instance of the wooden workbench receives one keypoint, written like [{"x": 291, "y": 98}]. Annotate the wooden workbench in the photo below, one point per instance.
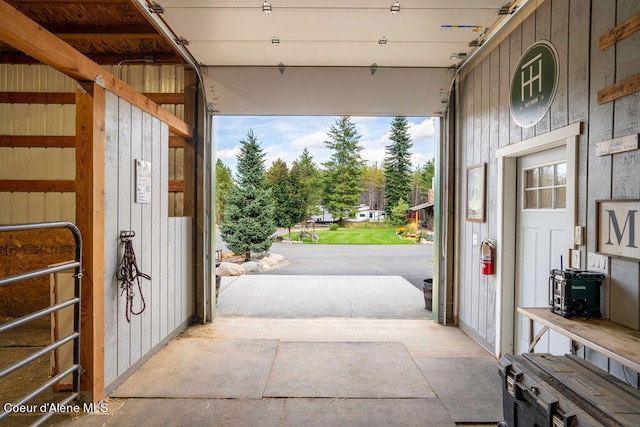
[{"x": 612, "y": 340}]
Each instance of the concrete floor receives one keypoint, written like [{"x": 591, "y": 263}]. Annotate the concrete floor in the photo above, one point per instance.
[{"x": 361, "y": 364}]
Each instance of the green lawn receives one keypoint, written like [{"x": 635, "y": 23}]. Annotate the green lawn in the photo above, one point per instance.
[{"x": 359, "y": 236}]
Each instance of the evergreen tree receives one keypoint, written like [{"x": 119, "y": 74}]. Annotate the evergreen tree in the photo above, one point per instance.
[
  {"x": 344, "y": 169},
  {"x": 397, "y": 164},
  {"x": 224, "y": 184},
  {"x": 428, "y": 172},
  {"x": 398, "y": 216},
  {"x": 307, "y": 175},
  {"x": 248, "y": 224},
  {"x": 286, "y": 194}
]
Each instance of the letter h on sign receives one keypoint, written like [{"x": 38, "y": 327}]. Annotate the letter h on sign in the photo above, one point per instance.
[{"x": 534, "y": 69}]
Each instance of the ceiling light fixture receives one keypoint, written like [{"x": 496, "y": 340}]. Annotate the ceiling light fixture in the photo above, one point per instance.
[
  {"x": 395, "y": 8},
  {"x": 373, "y": 68},
  {"x": 382, "y": 41},
  {"x": 266, "y": 7},
  {"x": 281, "y": 68},
  {"x": 275, "y": 41}
]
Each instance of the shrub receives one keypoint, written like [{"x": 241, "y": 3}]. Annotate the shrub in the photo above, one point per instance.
[
  {"x": 412, "y": 228},
  {"x": 333, "y": 227}
]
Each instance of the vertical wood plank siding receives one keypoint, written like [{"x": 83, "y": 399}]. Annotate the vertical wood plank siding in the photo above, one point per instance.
[
  {"x": 574, "y": 28},
  {"x": 130, "y": 134},
  {"x": 160, "y": 242}
]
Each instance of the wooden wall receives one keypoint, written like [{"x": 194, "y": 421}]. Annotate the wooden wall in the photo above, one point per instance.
[
  {"x": 574, "y": 28},
  {"x": 162, "y": 244}
]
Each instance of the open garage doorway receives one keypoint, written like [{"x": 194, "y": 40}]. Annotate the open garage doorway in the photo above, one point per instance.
[{"x": 287, "y": 141}]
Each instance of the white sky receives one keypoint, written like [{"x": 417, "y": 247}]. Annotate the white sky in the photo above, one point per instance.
[{"x": 285, "y": 137}]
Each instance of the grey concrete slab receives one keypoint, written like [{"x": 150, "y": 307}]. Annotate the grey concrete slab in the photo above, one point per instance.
[
  {"x": 197, "y": 368},
  {"x": 388, "y": 297},
  {"x": 199, "y": 412},
  {"x": 468, "y": 387},
  {"x": 351, "y": 369},
  {"x": 365, "y": 412}
]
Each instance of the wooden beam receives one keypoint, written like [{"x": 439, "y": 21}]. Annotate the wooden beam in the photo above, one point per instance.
[
  {"x": 37, "y": 98},
  {"x": 38, "y": 185},
  {"x": 116, "y": 32},
  {"x": 176, "y": 186},
  {"x": 27, "y": 36},
  {"x": 90, "y": 189},
  {"x": 176, "y": 142},
  {"x": 37, "y": 141},
  {"x": 70, "y": 98},
  {"x": 620, "y": 89},
  {"x": 167, "y": 58},
  {"x": 59, "y": 2},
  {"x": 166, "y": 98},
  {"x": 189, "y": 157},
  {"x": 620, "y": 32}
]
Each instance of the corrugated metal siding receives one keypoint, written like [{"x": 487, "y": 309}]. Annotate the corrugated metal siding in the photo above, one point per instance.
[
  {"x": 36, "y": 163},
  {"x": 58, "y": 120}
]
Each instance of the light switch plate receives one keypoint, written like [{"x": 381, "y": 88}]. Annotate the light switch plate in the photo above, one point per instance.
[
  {"x": 597, "y": 262},
  {"x": 577, "y": 235}
]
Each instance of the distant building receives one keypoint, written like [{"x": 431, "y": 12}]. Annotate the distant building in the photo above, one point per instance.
[
  {"x": 366, "y": 214},
  {"x": 363, "y": 214}
]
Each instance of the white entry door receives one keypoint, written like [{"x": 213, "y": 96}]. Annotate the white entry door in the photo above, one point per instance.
[{"x": 541, "y": 239}]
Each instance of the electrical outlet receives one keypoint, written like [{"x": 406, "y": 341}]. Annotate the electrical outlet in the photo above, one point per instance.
[
  {"x": 575, "y": 258},
  {"x": 475, "y": 239}
]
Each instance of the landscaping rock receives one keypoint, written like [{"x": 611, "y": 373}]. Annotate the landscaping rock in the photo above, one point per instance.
[
  {"x": 264, "y": 266},
  {"x": 276, "y": 257},
  {"x": 251, "y": 267},
  {"x": 269, "y": 261},
  {"x": 230, "y": 269}
]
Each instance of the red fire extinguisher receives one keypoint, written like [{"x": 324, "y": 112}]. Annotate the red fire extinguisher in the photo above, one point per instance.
[{"x": 486, "y": 256}]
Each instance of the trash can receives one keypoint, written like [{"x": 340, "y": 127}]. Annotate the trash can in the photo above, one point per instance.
[
  {"x": 427, "y": 288},
  {"x": 218, "y": 279}
]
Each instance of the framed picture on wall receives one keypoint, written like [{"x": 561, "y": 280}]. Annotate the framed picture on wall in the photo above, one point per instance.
[{"x": 476, "y": 182}]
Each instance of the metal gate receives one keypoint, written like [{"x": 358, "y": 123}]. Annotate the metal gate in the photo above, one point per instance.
[{"x": 75, "y": 368}]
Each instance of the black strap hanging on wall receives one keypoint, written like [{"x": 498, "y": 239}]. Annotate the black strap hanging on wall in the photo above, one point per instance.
[{"x": 129, "y": 273}]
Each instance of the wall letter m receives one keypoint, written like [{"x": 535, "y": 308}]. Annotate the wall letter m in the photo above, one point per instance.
[{"x": 630, "y": 221}]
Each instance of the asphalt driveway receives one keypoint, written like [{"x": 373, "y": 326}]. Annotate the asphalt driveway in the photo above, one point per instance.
[{"x": 412, "y": 262}]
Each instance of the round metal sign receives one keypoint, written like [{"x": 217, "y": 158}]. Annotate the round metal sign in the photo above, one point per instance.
[{"x": 534, "y": 83}]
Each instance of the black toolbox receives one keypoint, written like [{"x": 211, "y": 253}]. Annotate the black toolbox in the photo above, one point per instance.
[{"x": 546, "y": 390}]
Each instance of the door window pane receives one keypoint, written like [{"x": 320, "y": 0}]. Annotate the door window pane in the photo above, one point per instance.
[{"x": 545, "y": 187}]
